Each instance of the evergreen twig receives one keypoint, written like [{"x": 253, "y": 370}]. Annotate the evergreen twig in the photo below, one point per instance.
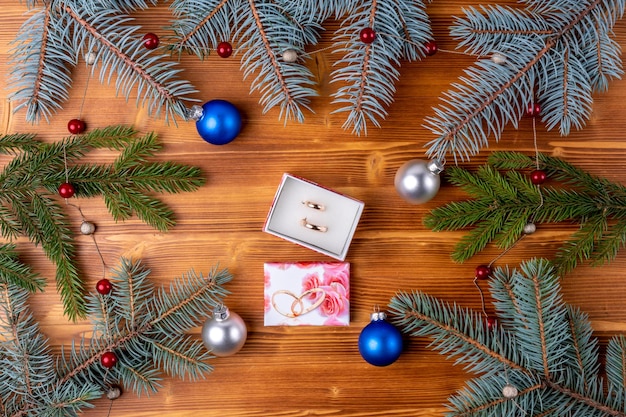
[
  {"x": 540, "y": 346},
  {"x": 29, "y": 182},
  {"x": 503, "y": 200},
  {"x": 129, "y": 322}
]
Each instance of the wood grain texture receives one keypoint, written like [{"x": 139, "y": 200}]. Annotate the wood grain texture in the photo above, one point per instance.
[{"x": 313, "y": 371}]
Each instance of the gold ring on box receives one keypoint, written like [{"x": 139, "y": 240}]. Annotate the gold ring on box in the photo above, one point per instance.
[
  {"x": 311, "y": 226},
  {"x": 314, "y": 206}
]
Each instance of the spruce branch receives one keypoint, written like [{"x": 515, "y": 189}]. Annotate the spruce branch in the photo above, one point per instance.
[
  {"x": 29, "y": 182},
  {"x": 503, "y": 200},
  {"x": 540, "y": 346},
  {"x": 557, "y": 54},
  {"x": 50, "y": 43},
  {"x": 126, "y": 322},
  {"x": 263, "y": 30}
]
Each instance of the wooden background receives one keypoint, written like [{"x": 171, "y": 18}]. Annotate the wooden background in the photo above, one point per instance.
[{"x": 315, "y": 370}]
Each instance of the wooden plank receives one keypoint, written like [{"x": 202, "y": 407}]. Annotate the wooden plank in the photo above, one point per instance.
[{"x": 313, "y": 371}]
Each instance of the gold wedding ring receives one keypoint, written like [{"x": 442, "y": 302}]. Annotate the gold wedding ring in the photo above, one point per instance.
[
  {"x": 314, "y": 206},
  {"x": 311, "y": 226}
]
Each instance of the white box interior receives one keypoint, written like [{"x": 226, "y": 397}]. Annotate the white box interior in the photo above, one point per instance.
[{"x": 340, "y": 216}]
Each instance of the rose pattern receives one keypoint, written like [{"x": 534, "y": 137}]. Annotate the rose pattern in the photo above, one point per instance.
[{"x": 335, "y": 282}]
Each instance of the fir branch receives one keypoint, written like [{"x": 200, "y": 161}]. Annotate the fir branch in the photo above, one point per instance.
[
  {"x": 556, "y": 364},
  {"x": 30, "y": 179},
  {"x": 201, "y": 25},
  {"x": 40, "y": 63},
  {"x": 544, "y": 64},
  {"x": 502, "y": 204},
  {"x": 368, "y": 71}
]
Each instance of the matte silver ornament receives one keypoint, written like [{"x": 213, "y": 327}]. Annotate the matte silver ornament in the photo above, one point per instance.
[
  {"x": 225, "y": 333},
  {"x": 290, "y": 55},
  {"x": 418, "y": 181},
  {"x": 530, "y": 228},
  {"x": 87, "y": 228}
]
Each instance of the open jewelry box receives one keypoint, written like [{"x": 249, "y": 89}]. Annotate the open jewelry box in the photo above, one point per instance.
[{"x": 313, "y": 216}]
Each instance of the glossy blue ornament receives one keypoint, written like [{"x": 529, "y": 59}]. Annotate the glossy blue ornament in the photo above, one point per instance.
[
  {"x": 380, "y": 342},
  {"x": 219, "y": 123}
]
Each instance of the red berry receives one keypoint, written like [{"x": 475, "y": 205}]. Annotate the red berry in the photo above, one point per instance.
[
  {"x": 150, "y": 41},
  {"x": 534, "y": 109},
  {"x": 67, "y": 190},
  {"x": 224, "y": 49},
  {"x": 483, "y": 272},
  {"x": 367, "y": 35},
  {"x": 430, "y": 48},
  {"x": 538, "y": 177},
  {"x": 491, "y": 322},
  {"x": 76, "y": 126},
  {"x": 108, "y": 359},
  {"x": 104, "y": 286}
]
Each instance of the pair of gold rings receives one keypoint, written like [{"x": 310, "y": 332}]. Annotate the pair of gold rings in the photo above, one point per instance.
[
  {"x": 297, "y": 305},
  {"x": 312, "y": 226}
]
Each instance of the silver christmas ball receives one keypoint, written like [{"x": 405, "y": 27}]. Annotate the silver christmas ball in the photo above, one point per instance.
[
  {"x": 290, "y": 55},
  {"x": 87, "y": 228},
  {"x": 418, "y": 181},
  {"x": 225, "y": 333}
]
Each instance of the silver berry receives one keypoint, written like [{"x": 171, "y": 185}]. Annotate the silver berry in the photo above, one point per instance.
[
  {"x": 530, "y": 228},
  {"x": 87, "y": 228},
  {"x": 290, "y": 55},
  {"x": 509, "y": 391},
  {"x": 114, "y": 393}
]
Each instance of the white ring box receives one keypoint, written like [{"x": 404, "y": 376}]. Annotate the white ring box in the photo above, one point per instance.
[{"x": 340, "y": 216}]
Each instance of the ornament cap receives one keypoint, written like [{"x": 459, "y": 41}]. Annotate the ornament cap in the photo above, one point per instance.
[
  {"x": 435, "y": 166},
  {"x": 194, "y": 113},
  {"x": 221, "y": 312},
  {"x": 378, "y": 316}
]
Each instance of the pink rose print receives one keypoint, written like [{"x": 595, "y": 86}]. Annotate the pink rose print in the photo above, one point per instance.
[
  {"x": 309, "y": 282},
  {"x": 268, "y": 305},
  {"x": 340, "y": 274},
  {"x": 267, "y": 278},
  {"x": 335, "y": 303}
]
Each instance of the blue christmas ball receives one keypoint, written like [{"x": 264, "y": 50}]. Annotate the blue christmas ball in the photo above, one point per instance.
[
  {"x": 380, "y": 342},
  {"x": 220, "y": 122}
]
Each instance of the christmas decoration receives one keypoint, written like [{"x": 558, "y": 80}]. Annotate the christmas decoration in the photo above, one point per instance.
[
  {"x": 558, "y": 53},
  {"x": 139, "y": 332},
  {"x": 67, "y": 190},
  {"x": 224, "y": 49},
  {"x": 366, "y": 72},
  {"x": 225, "y": 333},
  {"x": 150, "y": 41},
  {"x": 503, "y": 205},
  {"x": 219, "y": 123},
  {"x": 367, "y": 35},
  {"x": 57, "y": 34},
  {"x": 541, "y": 358},
  {"x": 483, "y": 272},
  {"x": 87, "y": 228},
  {"x": 418, "y": 181},
  {"x": 290, "y": 56},
  {"x": 76, "y": 126},
  {"x": 380, "y": 342},
  {"x": 430, "y": 48},
  {"x": 104, "y": 286},
  {"x": 108, "y": 359},
  {"x": 29, "y": 184}
]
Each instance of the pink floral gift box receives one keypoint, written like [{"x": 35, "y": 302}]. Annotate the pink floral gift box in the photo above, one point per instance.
[{"x": 307, "y": 293}]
